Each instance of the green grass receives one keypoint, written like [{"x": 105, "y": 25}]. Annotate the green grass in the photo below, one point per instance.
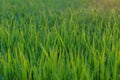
[{"x": 58, "y": 40}]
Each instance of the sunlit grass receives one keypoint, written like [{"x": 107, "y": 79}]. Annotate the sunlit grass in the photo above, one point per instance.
[
  {"x": 108, "y": 4},
  {"x": 58, "y": 42}
]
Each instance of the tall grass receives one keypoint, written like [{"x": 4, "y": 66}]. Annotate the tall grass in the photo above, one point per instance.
[{"x": 58, "y": 42}]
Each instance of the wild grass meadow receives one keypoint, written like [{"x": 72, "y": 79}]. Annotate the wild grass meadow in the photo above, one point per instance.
[{"x": 59, "y": 40}]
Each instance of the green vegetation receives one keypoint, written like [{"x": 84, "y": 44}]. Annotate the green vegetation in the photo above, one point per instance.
[{"x": 59, "y": 40}]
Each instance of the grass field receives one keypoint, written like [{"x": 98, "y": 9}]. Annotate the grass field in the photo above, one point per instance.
[{"x": 59, "y": 40}]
